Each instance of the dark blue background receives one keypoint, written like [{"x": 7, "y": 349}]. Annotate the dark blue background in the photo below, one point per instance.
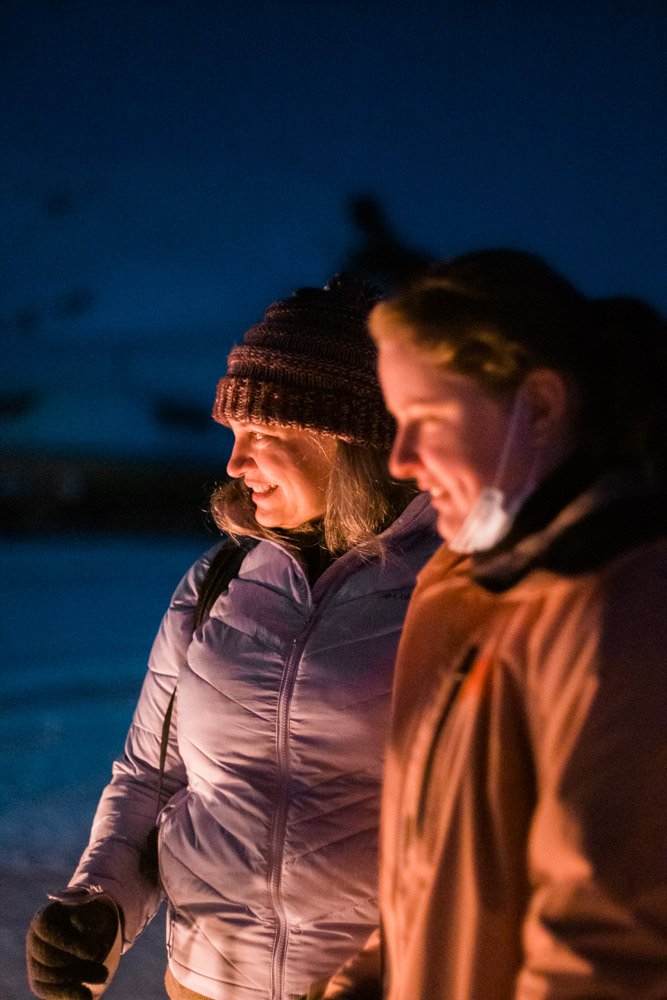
[{"x": 169, "y": 168}]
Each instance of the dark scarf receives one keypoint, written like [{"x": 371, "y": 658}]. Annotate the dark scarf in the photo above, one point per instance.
[{"x": 309, "y": 542}]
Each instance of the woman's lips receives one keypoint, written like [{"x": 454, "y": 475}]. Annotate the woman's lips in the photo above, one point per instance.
[{"x": 261, "y": 491}]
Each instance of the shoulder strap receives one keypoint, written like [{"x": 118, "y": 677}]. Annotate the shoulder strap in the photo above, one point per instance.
[{"x": 223, "y": 568}]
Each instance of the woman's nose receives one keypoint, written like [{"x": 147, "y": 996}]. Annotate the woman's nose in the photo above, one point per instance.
[
  {"x": 403, "y": 458},
  {"x": 238, "y": 461}
]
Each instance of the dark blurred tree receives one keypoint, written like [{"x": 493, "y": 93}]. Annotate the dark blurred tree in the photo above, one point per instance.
[
  {"x": 383, "y": 256},
  {"x": 73, "y": 304},
  {"x": 58, "y": 204},
  {"x": 26, "y": 321}
]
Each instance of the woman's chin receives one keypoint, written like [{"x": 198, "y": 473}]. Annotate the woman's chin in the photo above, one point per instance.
[
  {"x": 446, "y": 525},
  {"x": 269, "y": 518},
  {"x": 266, "y": 519}
]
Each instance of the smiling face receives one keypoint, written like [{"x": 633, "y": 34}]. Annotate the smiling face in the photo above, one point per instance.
[
  {"x": 450, "y": 432},
  {"x": 286, "y": 469}
]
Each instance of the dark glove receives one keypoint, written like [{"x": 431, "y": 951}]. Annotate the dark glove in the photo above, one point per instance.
[
  {"x": 66, "y": 947},
  {"x": 366, "y": 989}
]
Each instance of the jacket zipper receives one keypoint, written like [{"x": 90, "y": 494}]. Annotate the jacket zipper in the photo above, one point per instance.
[{"x": 279, "y": 823}]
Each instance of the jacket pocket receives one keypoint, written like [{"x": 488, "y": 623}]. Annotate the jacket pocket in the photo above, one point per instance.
[{"x": 166, "y": 820}]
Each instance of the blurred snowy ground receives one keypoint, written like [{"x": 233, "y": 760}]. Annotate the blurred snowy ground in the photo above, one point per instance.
[{"x": 77, "y": 619}]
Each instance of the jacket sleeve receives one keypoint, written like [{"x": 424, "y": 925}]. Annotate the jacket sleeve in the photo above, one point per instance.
[
  {"x": 360, "y": 978},
  {"x": 596, "y": 925},
  {"x": 128, "y": 806}
]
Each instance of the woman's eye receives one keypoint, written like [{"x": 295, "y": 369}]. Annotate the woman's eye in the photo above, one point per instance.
[{"x": 257, "y": 436}]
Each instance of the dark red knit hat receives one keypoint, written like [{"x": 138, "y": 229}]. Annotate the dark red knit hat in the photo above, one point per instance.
[{"x": 312, "y": 364}]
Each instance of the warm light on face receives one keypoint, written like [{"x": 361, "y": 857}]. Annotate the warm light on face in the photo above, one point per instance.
[
  {"x": 449, "y": 431},
  {"x": 286, "y": 470}
]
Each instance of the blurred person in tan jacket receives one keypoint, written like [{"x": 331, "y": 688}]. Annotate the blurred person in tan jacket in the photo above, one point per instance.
[{"x": 524, "y": 812}]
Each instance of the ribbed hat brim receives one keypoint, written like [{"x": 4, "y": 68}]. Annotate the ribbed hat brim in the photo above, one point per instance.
[{"x": 359, "y": 418}]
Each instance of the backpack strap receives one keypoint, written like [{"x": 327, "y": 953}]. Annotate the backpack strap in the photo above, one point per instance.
[{"x": 223, "y": 568}]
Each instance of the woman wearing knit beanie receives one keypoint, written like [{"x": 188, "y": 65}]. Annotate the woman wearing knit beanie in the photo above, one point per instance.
[{"x": 279, "y": 644}]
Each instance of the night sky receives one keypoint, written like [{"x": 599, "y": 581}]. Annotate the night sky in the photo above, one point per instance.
[{"x": 169, "y": 168}]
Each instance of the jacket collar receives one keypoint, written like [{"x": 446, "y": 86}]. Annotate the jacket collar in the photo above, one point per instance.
[
  {"x": 418, "y": 515},
  {"x": 574, "y": 523}
]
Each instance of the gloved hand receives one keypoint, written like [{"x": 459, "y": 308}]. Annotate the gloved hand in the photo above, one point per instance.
[
  {"x": 66, "y": 947},
  {"x": 366, "y": 989}
]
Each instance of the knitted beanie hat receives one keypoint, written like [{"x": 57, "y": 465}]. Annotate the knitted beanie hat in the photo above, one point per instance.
[{"x": 310, "y": 363}]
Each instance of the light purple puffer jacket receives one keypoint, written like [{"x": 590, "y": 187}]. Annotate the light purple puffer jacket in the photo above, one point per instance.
[{"x": 268, "y": 844}]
